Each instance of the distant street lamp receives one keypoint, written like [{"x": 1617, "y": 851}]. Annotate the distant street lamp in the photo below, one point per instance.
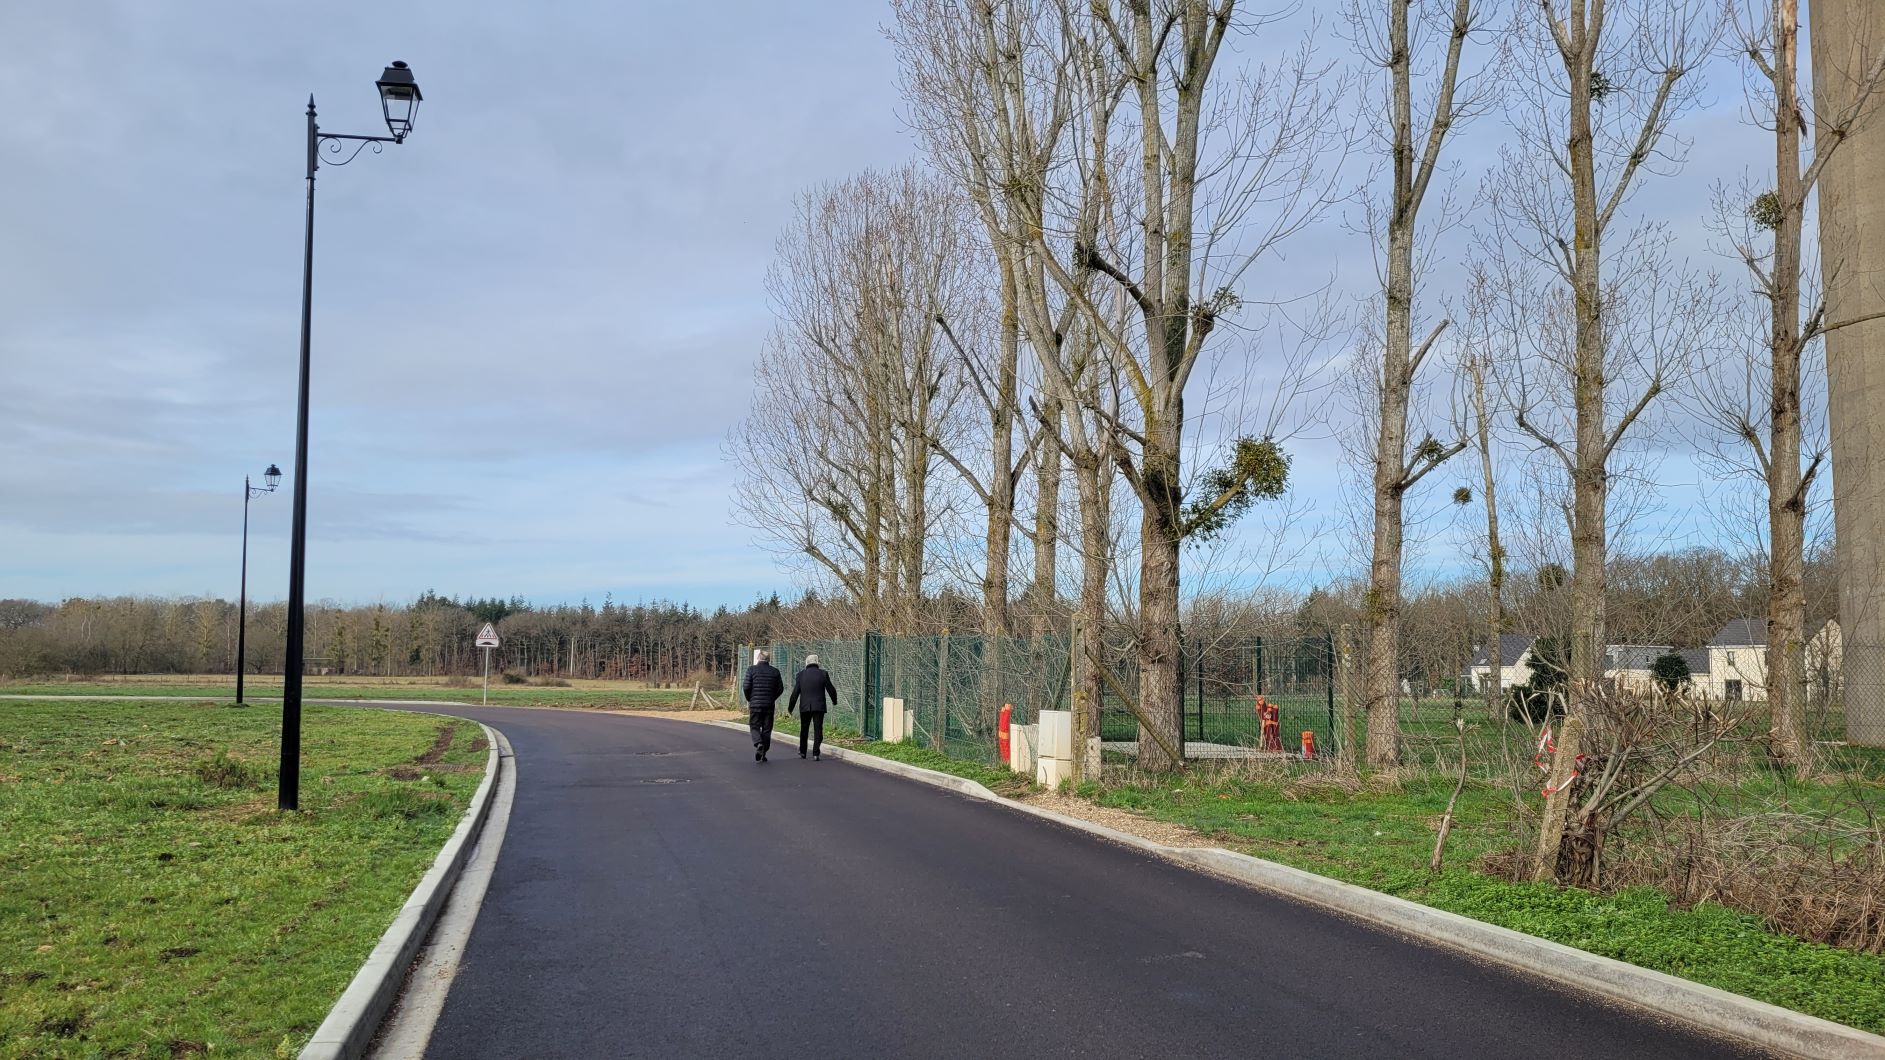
[
  {"x": 399, "y": 102},
  {"x": 273, "y": 477}
]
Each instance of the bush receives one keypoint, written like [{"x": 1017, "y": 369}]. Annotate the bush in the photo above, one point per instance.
[{"x": 512, "y": 677}]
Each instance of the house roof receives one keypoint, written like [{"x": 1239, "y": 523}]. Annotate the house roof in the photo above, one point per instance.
[
  {"x": 1741, "y": 633},
  {"x": 1632, "y": 656},
  {"x": 1512, "y": 646}
]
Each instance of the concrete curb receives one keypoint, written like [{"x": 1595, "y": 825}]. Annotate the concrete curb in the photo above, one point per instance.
[
  {"x": 352, "y": 1022},
  {"x": 1709, "y": 1008}
]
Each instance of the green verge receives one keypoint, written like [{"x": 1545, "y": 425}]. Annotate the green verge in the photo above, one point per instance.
[
  {"x": 999, "y": 781},
  {"x": 153, "y": 903},
  {"x": 268, "y": 690},
  {"x": 1382, "y": 839}
]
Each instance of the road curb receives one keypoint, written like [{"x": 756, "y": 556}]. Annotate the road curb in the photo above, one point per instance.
[
  {"x": 351, "y": 1023},
  {"x": 1709, "y": 1008}
]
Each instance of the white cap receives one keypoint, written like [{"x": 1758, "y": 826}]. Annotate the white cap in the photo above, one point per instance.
[{"x": 811, "y": 660}]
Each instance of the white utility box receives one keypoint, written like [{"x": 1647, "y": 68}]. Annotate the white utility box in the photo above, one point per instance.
[
  {"x": 895, "y": 721},
  {"x": 1021, "y": 741},
  {"x": 1056, "y": 735},
  {"x": 1049, "y": 772}
]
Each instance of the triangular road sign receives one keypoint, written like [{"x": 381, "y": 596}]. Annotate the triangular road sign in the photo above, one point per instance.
[{"x": 487, "y": 637}]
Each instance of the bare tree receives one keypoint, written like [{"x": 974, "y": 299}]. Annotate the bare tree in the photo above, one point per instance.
[
  {"x": 1477, "y": 357},
  {"x": 1201, "y": 175},
  {"x": 853, "y": 393},
  {"x": 1601, "y": 82},
  {"x": 1414, "y": 156},
  {"x": 1761, "y": 404}
]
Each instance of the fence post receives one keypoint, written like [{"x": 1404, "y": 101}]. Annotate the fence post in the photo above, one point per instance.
[
  {"x": 1085, "y": 715},
  {"x": 942, "y": 692},
  {"x": 872, "y": 685},
  {"x": 1328, "y": 644},
  {"x": 1345, "y": 658},
  {"x": 1200, "y": 669}
]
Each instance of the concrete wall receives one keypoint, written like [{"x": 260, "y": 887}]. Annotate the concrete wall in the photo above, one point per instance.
[{"x": 1846, "y": 35}]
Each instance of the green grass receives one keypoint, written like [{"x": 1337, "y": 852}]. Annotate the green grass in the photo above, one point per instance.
[
  {"x": 1000, "y": 781},
  {"x": 1382, "y": 838},
  {"x": 153, "y": 902},
  {"x": 268, "y": 689}
]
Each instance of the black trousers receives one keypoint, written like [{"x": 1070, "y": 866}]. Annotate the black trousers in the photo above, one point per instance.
[
  {"x": 760, "y": 722},
  {"x": 814, "y": 726}
]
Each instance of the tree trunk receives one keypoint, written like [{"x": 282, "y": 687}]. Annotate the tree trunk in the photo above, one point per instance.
[
  {"x": 1047, "y": 466},
  {"x": 1095, "y": 562},
  {"x": 1590, "y": 453},
  {"x": 1495, "y": 552},
  {"x": 1786, "y": 492},
  {"x": 1001, "y": 460},
  {"x": 1160, "y": 698}
]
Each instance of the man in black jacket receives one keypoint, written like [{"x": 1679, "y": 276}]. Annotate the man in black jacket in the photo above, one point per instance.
[
  {"x": 813, "y": 685},
  {"x": 762, "y": 688}
]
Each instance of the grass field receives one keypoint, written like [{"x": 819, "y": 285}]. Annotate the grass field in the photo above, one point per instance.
[
  {"x": 153, "y": 903},
  {"x": 589, "y": 695}
]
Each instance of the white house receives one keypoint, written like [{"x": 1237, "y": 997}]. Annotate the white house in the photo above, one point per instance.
[
  {"x": 1737, "y": 662},
  {"x": 1515, "y": 662},
  {"x": 1629, "y": 667}
]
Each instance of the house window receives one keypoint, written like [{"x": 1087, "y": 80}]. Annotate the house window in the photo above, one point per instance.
[
  {"x": 1731, "y": 658},
  {"x": 1732, "y": 689}
]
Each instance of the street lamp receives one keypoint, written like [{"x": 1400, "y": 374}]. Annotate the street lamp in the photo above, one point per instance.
[
  {"x": 273, "y": 477},
  {"x": 399, "y": 102}
]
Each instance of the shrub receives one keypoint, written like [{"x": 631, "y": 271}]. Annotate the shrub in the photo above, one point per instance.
[{"x": 512, "y": 677}]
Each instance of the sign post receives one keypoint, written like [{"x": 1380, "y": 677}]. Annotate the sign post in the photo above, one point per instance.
[{"x": 487, "y": 639}]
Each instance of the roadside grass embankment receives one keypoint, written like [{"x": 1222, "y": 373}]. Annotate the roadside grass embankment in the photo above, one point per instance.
[
  {"x": 154, "y": 903},
  {"x": 1378, "y": 832},
  {"x": 576, "y": 694}
]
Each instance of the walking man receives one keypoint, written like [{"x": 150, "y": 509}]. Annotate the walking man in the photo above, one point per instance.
[
  {"x": 762, "y": 688},
  {"x": 813, "y": 686}
]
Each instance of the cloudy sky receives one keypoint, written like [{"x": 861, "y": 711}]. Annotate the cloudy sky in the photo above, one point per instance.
[{"x": 534, "y": 322}]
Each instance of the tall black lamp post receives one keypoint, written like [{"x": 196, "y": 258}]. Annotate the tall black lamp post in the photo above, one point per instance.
[
  {"x": 273, "y": 477},
  {"x": 399, "y": 101}
]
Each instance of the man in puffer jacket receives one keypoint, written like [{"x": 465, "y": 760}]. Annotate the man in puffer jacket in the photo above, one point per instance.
[
  {"x": 811, "y": 688},
  {"x": 762, "y": 688}
]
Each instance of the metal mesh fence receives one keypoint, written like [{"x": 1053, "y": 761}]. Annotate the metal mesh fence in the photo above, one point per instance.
[{"x": 955, "y": 685}]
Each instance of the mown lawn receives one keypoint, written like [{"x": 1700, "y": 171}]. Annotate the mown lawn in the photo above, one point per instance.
[
  {"x": 154, "y": 903},
  {"x": 265, "y": 689}
]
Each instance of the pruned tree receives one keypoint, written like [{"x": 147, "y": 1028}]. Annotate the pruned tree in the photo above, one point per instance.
[
  {"x": 854, "y": 394},
  {"x": 1399, "y": 41},
  {"x": 1608, "y": 323},
  {"x": 1756, "y": 399},
  {"x": 1209, "y": 163}
]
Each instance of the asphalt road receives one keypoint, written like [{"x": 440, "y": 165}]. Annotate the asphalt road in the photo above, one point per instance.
[{"x": 660, "y": 894}]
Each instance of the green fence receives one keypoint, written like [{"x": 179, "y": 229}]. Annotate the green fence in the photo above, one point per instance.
[{"x": 955, "y": 686}]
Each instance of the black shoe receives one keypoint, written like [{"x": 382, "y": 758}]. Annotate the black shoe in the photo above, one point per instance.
[
  {"x": 801, "y": 754},
  {"x": 814, "y": 758},
  {"x": 758, "y": 755}
]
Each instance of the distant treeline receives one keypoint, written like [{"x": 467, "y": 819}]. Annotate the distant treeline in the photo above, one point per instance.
[{"x": 433, "y": 635}]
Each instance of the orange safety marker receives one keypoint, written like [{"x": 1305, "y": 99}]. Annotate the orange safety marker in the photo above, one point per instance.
[
  {"x": 1001, "y": 733},
  {"x": 1308, "y": 743}
]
